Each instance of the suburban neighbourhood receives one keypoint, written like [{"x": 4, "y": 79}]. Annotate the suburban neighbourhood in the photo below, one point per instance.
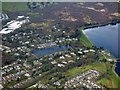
[
  {"x": 84, "y": 80},
  {"x": 43, "y": 46}
]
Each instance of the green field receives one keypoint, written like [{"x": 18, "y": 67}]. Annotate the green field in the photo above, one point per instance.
[
  {"x": 14, "y": 6},
  {"x": 109, "y": 80},
  {"x": 85, "y": 40},
  {"x": 96, "y": 66},
  {"x": 114, "y": 76}
]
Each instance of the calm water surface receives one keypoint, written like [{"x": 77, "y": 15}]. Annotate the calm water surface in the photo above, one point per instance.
[
  {"x": 47, "y": 51},
  {"x": 117, "y": 69},
  {"x": 107, "y": 37}
]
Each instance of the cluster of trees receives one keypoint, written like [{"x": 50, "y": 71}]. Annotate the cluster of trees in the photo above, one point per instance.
[
  {"x": 76, "y": 34},
  {"x": 33, "y": 5}
]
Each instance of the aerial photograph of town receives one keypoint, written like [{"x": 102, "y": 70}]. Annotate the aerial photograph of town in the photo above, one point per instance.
[{"x": 60, "y": 45}]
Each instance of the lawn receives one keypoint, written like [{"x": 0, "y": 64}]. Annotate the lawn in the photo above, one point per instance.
[
  {"x": 110, "y": 80},
  {"x": 104, "y": 81},
  {"x": 85, "y": 40},
  {"x": 114, "y": 76},
  {"x": 14, "y": 6}
]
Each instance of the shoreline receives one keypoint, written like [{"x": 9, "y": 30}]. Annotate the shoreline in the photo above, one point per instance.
[
  {"x": 113, "y": 69},
  {"x": 114, "y": 72},
  {"x": 95, "y": 26},
  {"x": 87, "y": 38},
  {"x": 101, "y": 25}
]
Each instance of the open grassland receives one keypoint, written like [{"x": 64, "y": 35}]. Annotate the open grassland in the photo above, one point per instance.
[{"x": 14, "y": 6}]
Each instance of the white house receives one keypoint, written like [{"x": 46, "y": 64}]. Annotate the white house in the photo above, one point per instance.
[
  {"x": 62, "y": 57},
  {"x": 60, "y": 65}
]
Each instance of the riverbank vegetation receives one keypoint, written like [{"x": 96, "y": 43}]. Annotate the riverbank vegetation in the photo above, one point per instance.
[{"x": 85, "y": 40}]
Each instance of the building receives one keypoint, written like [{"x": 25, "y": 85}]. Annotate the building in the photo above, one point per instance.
[{"x": 57, "y": 83}]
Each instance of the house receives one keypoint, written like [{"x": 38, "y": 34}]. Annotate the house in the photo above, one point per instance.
[
  {"x": 84, "y": 56},
  {"x": 103, "y": 51},
  {"x": 32, "y": 45},
  {"x": 16, "y": 54},
  {"x": 62, "y": 57},
  {"x": 74, "y": 85},
  {"x": 28, "y": 75},
  {"x": 1, "y": 86},
  {"x": 64, "y": 62},
  {"x": 65, "y": 87},
  {"x": 27, "y": 54},
  {"x": 91, "y": 50},
  {"x": 85, "y": 51},
  {"x": 80, "y": 49},
  {"x": 19, "y": 17},
  {"x": 27, "y": 42},
  {"x": 99, "y": 87},
  {"x": 26, "y": 65},
  {"x": 60, "y": 41},
  {"x": 63, "y": 31},
  {"x": 67, "y": 55},
  {"x": 60, "y": 65},
  {"x": 80, "y": 52},
  {"x": 36, "y": 62},
  {"x": 72, "y": 53},
  {"x": 4, "y": 78},
  {"x": 70, "y": 61},
  {"x": 53, "y": 62},
  {"x": 18, "y": 48},
  {"x": 50, "y": 58},
  {"x": 109, "y": 59},
  {"x": 57, "y": 83},
  {"x": 18, "y": 77},
  {"x": 7, "y": 51},
  {"x": 89, "y": 77}
]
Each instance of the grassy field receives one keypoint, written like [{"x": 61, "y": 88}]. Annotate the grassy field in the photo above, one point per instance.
[
  {"x": 14, "y": 6},
  {"x": 115, "y": 77},
  {"x": 85, "y": 40},
  {"x": 96, "y": 66},
  {"x": 104, "y": 81},
  {"x": 110, "y": 81}
]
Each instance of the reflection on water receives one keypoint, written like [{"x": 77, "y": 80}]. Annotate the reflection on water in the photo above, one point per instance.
[
  {"x": 106, "y": 36},
  {"x": 47, "y": 51}
]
